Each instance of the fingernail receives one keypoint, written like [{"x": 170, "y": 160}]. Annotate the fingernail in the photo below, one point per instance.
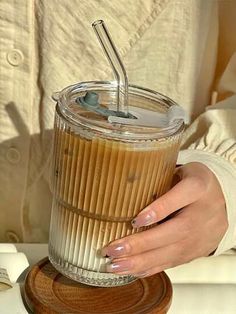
[
  {"x": 143, "y": 219},
  {"x": 115, "y": 250},
  {"x": 117, "y": 267}
]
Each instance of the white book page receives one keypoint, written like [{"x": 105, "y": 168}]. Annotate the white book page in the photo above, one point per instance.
[
  {"x": 7, "y": 248},
  {"x": 14, "y": 263}
]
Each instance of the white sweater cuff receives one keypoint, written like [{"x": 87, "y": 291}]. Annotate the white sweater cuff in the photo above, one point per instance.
[{"x": 225, "y": 172}]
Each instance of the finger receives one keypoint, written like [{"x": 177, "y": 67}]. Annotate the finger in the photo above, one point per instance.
[
  {"x": 187, "y": 191},
  {"x": 164, "y": 234},
  {"x": 152, "y": 271},
  {"x": 142, "y": 263}
]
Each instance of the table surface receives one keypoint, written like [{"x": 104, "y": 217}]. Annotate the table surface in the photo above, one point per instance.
[{"x": 204, "y": 286}]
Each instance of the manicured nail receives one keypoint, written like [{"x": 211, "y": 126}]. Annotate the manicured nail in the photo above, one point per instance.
[
  {"x": 143, "y": 219},
  {"x": 118, "y": 267},
  {"x": 115, "y": 250}
]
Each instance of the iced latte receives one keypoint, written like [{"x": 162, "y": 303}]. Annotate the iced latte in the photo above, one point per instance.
[{"x": 104, "y": 174}]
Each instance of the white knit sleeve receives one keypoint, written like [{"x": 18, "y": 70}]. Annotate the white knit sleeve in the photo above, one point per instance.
[{"x": 211, "y": 140}]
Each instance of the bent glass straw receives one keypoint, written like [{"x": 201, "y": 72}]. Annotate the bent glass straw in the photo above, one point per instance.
[{"x": 116, "y": 64}]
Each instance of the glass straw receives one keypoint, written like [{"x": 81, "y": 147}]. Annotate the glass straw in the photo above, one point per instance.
[{"x": 116, "y": 64}]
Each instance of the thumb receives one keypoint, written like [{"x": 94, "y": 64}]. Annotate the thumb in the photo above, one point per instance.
[{"x": 185, "y": 192}]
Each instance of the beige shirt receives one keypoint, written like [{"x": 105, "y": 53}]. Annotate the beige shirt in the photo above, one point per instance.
[{"x": 185, "y": 49}]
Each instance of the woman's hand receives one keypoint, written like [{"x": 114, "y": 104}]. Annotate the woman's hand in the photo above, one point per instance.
[{"x": 198, "y": 224}]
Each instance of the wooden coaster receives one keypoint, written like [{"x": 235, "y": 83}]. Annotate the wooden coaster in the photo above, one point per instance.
[{"x": 47, "y": 291}]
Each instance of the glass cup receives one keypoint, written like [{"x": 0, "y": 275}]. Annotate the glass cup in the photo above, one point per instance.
[{"x": 104, "y": 174}]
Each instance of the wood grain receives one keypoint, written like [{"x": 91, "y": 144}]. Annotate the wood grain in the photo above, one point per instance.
[{"x": 47, "y": 291}]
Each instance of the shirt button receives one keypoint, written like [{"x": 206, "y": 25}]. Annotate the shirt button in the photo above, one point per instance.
[
  {"x": 13, "y": 155},
  {"x": 15, "y": 57},
  {"x": 12, "y": 237}
]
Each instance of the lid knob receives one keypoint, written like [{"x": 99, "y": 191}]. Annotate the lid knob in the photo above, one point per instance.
[{"x": 91, "y": 99}]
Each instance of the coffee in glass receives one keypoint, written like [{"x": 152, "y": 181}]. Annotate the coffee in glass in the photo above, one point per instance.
[{"x": 105, "y": 173}]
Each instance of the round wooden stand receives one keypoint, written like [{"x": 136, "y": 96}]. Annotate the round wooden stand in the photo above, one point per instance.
[{"x": 47, "y": 291}]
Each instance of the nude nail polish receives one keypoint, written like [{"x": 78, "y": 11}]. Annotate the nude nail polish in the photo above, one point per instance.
[
  {"x": 115, "y": 250},
  {"x": 117, "y": 267},
  {"x": 142, "y": 220}
]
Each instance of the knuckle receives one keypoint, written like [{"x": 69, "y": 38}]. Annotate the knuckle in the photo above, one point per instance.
[
  {"x": 129, "y": 245},
  {"x": 186, "y": 224},
  {"x": 137, "y": 265},
  {"x": 181, "y": 255},
  {"x": 184, "y": 253},
  {"x": 135, "y": 243},
  {"x": 198, "y": 183},
  {"x": 171, "y": 264},
  {"x": 164, "y": 208}
]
